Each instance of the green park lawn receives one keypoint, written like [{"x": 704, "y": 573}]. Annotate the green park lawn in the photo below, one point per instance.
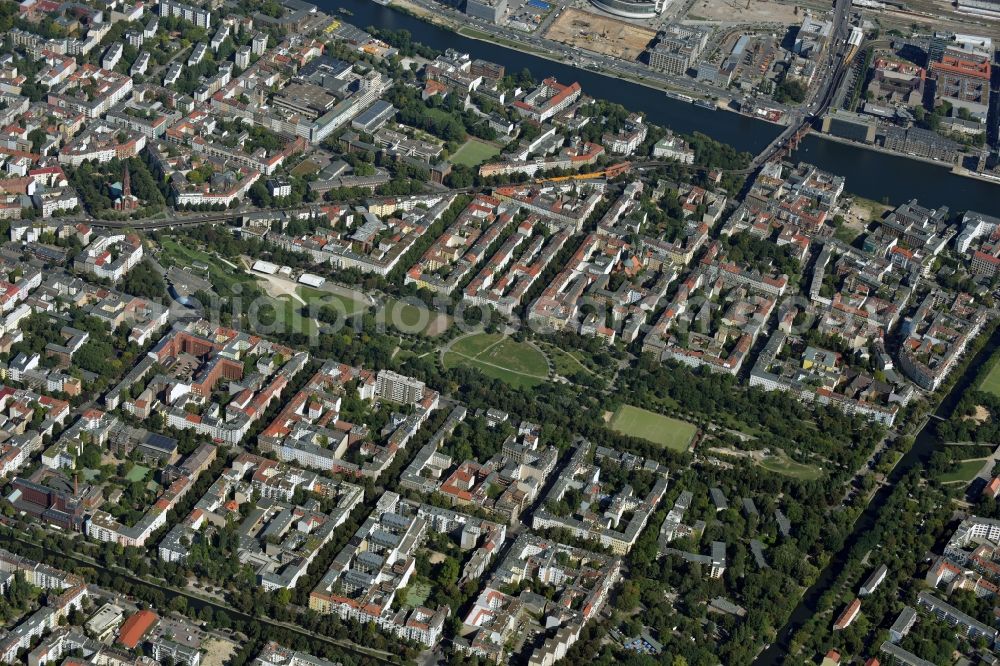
[
  {"x": 500, "y": 357},
  {"x": 344, "y": 303},
  {"x": 474, "y": 345},
  {"x": 412, "y": 318},
  {"x": 668, "y": 432},
  {"x": 782, "y": 464},
  {"x": 964, "y": 472},
  {"x": 284, "y": 315},
  {"x": 565, "y": 363},
  {"x": 474, "y": 152},
  {"x": 221, "y": 275}
]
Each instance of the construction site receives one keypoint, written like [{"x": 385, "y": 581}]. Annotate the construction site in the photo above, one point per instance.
[
  {"x": 750, "y": 11},
  {"x": 600, "y": 34}
]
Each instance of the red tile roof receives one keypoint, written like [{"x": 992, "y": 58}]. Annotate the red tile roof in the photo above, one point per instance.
[{"x": 136, "y": 627}]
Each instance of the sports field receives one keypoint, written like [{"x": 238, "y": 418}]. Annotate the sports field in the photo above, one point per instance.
[
  {"x": 416, "y": 594},
  {"x": 137, "y": 473},
  {"x": 474, "y": 152},
  {"x": 498, "y": 356},
  {"x": 672, "y": 433},
  {"x": 991, "y": 382}
]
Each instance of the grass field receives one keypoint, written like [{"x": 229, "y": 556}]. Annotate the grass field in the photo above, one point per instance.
[
  {"x": 846, "y": 234},
  {"x": 496, "y": 355},
  {"x": 305, "y": 167},
  {"x": 137, "y": 473},
  {"x": 411, "y": 318},
  {"x": 474, "y": 345},
  {"x": 349, "y": 306},
  {"x": 782, "y": 464},
  {"x": 565, "y": 363},
  {"x": 991, "y": 382},
  {"x": 671, "y": 433},
  {"x": 474, "y": 152},
  {"x": 964, "y": 472},
  {"x": 284, "y": 314}
]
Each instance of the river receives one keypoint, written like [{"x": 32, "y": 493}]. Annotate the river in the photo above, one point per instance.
[
  {"x": 869, "y": 174},
  {"x": 923, "y": 446}
]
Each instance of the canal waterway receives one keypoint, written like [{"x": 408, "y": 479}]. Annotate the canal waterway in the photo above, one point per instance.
[{"x": 919, "y": 454}]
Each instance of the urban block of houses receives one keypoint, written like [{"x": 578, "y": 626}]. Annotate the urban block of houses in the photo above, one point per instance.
[
  {"x": 323, "y": 95},
  {"x": 100, "y": 142},
  {"x": 274, "y": 654},
  {"x": 863, "y": 296},
  {"x": 21, "y": 430},
  {"x": 91, "y": 90},
  {"x": 186, "y": 172},
  {"x": 915, "y": 228},
  {"x": 966, "y": 624},
  {"x": 790, "y": 363},
  {"x": 937, "y": 335},
  {"x": 547, "y": 100},
  {"x": 628, "y": 139},
  {"x": 65, "y": 593},
  {"x": 580, "y": 582},
  {"x": 279, "y": 534},
  {"x": 380, "y": 560},
  {"x": 801, "y": 195},
  {"x": 44, "y": 188},
  {"x": 672, "y": 147},
  {"x": 716, "y": 316},
  {"x": 980, "y": 241},
  {"x": 505, "y": 485},
  {"x": 102, "y": 526},
  {"x": 204, "y": 363},
  {"x": 234, "y": 142},
  {"x": 969, "y": 561},
  {"x": 612, "y": 514},
  {"x": 673, "y": 526},
  {"x": 569, "y": 205},
  {"x": 144, "y": 317},
  {"x": 575, "y": 156},
  {"x": 310, "y": 432},
  {"x": 609, "y": 273},
  {"x": 365, "y": 240},
  {"x": 507, "y": 276},
  {"x": 463, "y": 245},
  {"x": 714, "y": 564},
  {"x": 149, "y": 111},
  {"x": 110, "y": 255}
]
